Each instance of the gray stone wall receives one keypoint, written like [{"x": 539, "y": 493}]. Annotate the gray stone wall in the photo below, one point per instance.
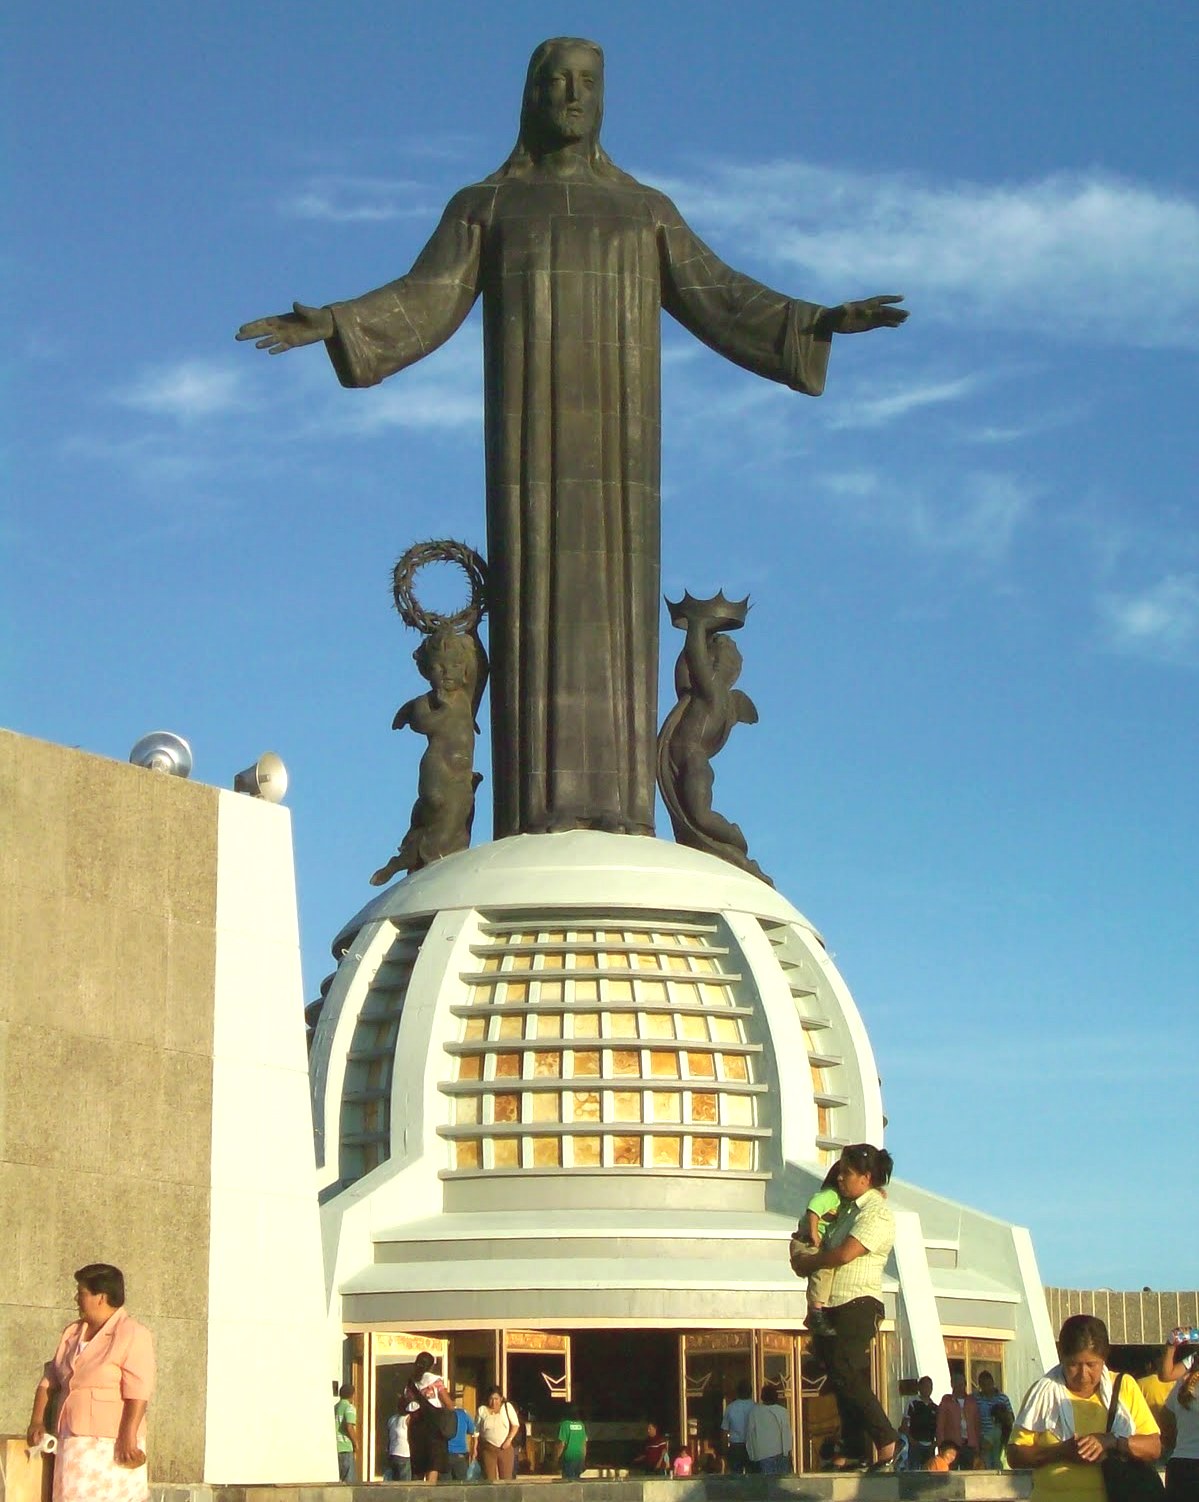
[
  {"x": 107, "y": 954},
  {"x": 1132, "y": 1319}
]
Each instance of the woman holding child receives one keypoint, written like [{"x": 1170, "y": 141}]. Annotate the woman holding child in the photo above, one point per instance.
[{"x": 854, "y": 1250}]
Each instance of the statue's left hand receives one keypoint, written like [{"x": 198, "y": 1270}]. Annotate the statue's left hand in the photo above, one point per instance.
[
  {"x": 870, "y": 313},
  {"x": 284, "y": 331}
]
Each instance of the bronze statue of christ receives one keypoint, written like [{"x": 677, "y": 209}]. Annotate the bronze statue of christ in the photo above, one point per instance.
[{"x": 574, "y": 260}]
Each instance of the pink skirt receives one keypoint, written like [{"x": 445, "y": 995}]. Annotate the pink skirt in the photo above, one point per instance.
[{"x": 84, "y": 1471}]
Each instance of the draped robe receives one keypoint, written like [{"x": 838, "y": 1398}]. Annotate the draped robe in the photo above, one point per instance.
[{"x": 574, "y": 272}]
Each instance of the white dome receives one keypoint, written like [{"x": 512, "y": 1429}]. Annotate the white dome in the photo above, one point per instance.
[{"x": 625, "y": 1016}]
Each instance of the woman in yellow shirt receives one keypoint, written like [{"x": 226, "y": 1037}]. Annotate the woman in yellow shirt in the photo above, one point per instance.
[{"x": 1061, "y": 1429}]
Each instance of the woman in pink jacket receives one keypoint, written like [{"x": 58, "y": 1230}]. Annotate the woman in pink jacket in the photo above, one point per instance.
[
  {"x": 959, "y": 1422},
  {"x": 102, "y": 1374}
]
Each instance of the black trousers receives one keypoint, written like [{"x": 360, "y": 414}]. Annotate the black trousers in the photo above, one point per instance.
[{"x": 846, "y": 1357}]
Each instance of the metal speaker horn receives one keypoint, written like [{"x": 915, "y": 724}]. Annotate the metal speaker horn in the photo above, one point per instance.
[
  {"x": 266, "y": 779},
  {"x": 161, "y": 751}
]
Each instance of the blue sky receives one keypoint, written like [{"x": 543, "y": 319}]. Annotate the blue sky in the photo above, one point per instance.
[{"x": 974, "y": 562}]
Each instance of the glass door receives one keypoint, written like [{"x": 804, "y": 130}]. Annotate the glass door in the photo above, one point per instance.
[{"x": 716, "y": 1367}]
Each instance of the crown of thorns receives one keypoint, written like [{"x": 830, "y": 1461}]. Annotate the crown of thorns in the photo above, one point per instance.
[{"x": 413, "y": 613}]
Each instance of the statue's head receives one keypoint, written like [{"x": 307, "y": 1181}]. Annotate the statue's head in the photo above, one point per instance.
[
  {"x": 447, "y": 660},
  {"x": 564, "y": 95},
  {"x": 563, "y": 105}
]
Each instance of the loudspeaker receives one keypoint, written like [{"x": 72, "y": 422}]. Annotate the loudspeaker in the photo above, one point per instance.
[
  {"x": 161, "y": 751},
  {"x": 267, "y": 779}
]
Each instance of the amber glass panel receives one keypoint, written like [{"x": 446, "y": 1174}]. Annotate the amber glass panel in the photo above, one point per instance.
[
  {"x": 586, "y": 962},
  {"x": 657, "y": 1025},
  {"x": 475, "y": 1029},
  {"x": 586, "y": 1152},
  {"x": 550, "y": 991},
  {"x": 516, "y": 991},
  {"x": 715, "y": 996},
  {"x": 549, "y": 1026},
  {"x": 703, "y": 1108},
  {"x": 547, "y": 1065},
  {"x": 626, "y": 1105},
  {"x": 468, "y": 1155},
  {"x": 701, "y": 1066},
  {"x": 677, "y": 963},
  {"x": 626, "y": 1152},
  {"x": 554, "y": 936},
  {"x": 507, "y": 1066},
  {"x": 586, "y": 1105},
  {"x": 703, "y": 965},
  {"x": 626, "y": 1061},
  {"x": 666, "y": 1152},
  {"x": 734, "y": 1066},
  {"x": 648, "y": 961},
  {"x": 824, "y": 1121},
  {"x": 507, "y": 1152},
  {"x": 470, "y": 1067},
  {"x": 668, "y": 1105},
  {"x": 741, "y": 1155},
  {"x": 693, "y": 1027},
  {"x": 664, "y": 1065},
  {"x": 724, "y": 1030},
  {"x": 617, "y": 960},
  {"x": 737, "y": 1110},
  {"x": 547, "y": 1152},
  {"x": 512, "y": 1027},
  {"x": 491, "y": 964},
  {"x": 583, "y": 936},
  {"x": 586, "y": 990},
  {"x": 466, "y": 1110},
  {"x": 552, "y": 962},
  {"x": 546, "y": 1105},
  {"x": 705, "y": 1152},
  {"x": 507, "y": 1108},
  {"x": 690, "y": 941},
  {"x": 586, "y": 1025},
  {"x": 518, "y": 963},
  {"x": 480, "y": 995},
  {"x": 620, "y": 991},
  {"x": 585, "y": 1063},
  {"x": 623, "y": 1025},
  {"x": 653, "y": 991}
]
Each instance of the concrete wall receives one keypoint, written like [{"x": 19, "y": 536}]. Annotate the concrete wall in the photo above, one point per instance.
[
  {"x": 153, "y": 1104},
  {"x": 107, "y": 961},
  {"x": 1132, "y": 1319}
]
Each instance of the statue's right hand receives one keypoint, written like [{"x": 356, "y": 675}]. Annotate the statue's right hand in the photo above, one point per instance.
[{"x": 284, "y": 331}]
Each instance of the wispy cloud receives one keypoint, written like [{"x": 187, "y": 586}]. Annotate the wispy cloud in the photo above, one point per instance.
[
  {"x": 1080, "y": 255},
  {"x": 1160, "y": 622},
  {"x": 344, "y": 199},
  {"x": 442, "y": 393},
  {"x": 973, "y": 516},
  {"x": 866, "y": 410},
  {"x": 186, "y": 390}
]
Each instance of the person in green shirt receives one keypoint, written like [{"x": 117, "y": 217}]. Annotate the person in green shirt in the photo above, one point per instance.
[
  {"x": 345, "y": 1417},
  {"x": 572, "y": 1445}
]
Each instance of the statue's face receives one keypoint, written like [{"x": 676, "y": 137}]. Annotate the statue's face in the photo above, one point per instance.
[{"x": 570, "y": 93}]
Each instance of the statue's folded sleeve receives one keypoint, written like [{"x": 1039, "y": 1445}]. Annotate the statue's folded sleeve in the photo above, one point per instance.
[
  {"x": 386, "y": 330},
  {"x": 763, "y": 331}
]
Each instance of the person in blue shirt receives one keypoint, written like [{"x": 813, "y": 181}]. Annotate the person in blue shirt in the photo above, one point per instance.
[
  {"x": 733, "y": 1425},
  {"x": 462, "y": 1446}
]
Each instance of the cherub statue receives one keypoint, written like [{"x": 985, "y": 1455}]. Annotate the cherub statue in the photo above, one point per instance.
[
  {"x": 455, "y": 665},
  {"x": 701, "y": 722}
]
